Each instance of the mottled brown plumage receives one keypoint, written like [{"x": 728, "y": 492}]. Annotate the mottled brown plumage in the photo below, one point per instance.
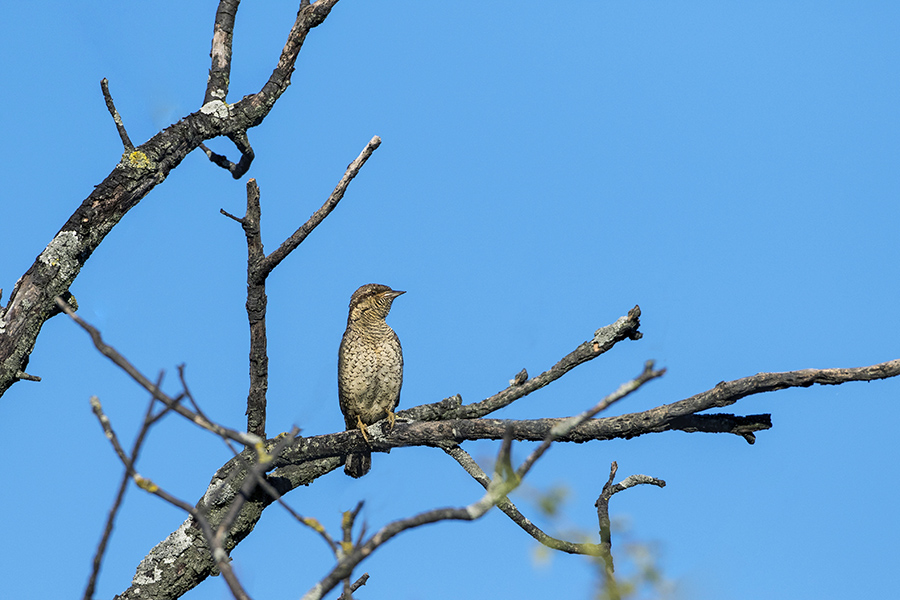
[{"x": 370, "y": 367}]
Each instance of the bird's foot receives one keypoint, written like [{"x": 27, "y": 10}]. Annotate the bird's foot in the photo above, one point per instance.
[
  {"x": 362, "y": 429},
  {"x": 392, "y": 418}
]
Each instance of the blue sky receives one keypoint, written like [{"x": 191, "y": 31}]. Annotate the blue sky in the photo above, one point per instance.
[{"x": 731, "y": 168}]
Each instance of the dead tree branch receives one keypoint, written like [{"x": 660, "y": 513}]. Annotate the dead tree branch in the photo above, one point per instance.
[
  {"x": 220, "y": 53},
  {"x": 602, "y": 504},
  {"x": 172, "y": 403},
  {"x": 32, "y": 300},
  {"x": 604, "y": 339},
  {"x": 149, "y": 419},
  {"x": 502, "y": 484},
  {"x": 509, "y": 509},
  {"x": 259, "y": 266},
  {"x": 117, "y": 119},
  {"x": 307, "y": 458}
]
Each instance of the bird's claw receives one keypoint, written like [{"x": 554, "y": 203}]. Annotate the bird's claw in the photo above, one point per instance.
[
  {"x": 362, "y": 429},
  {"x": 392, "y": 418}
]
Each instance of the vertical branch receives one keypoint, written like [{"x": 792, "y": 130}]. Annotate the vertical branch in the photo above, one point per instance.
[
  {"x": 258, "y": 268},
  {"x": 256, "y": 312},
  {"x": 612, "y": 588},
  {"x": 349, "y": 518},
  {"x": 256, "y": 315},
  {"x": 220, "y": 53}
]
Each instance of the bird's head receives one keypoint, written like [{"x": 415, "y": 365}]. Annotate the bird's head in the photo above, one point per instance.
[{"x": 371, "y": 302}]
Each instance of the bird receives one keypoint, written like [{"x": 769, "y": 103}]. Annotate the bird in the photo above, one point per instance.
[{"x": 370, "y": 367}]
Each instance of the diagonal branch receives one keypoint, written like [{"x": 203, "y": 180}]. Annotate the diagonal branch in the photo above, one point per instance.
[
  {"x": 308, "y": 17},
  {"x": 149, "y": 419},
  {"x": 510, "y": 510},
  {"x": 172, "y": 403},
  {"x": 566, "y": 426},
  {"x": 604, "y": 339},
  {"x": 495, "y": 492},
  {"x": 726, "y": 393},
  {"x": 290, "y": 244},
  {"x": 117, "y": 119},
  {"x": 55, "y": 269}
]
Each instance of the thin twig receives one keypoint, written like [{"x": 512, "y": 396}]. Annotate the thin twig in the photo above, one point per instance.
[
  {"x": 218, "y": 552},
  {"x": 117, "y": 119},
  {"x": 356, "y": 585},
  {"x": 317, "y": 217},
  {"x": 23, "y": 376},
  {"x": 602, "y": 504},
  {"x": 120, "y": 495},
  {"x": 567, "y": 425},
  {"x": 624, "y": 328},
  {"x": 508, "y": 508},
  {"x": 347, "y": 521},
  {"x": 131, "y": 370},
  {"x": 142, "y": 482}
]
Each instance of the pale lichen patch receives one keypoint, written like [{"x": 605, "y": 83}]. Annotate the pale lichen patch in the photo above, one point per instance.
[
  {"x": 166, "y": 553},
  {"x": 216, "y": 108},
  {"x": 61, "y": 252}
]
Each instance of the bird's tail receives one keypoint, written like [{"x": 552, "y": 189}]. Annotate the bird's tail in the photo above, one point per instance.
[{"x": 358, "y": 465}]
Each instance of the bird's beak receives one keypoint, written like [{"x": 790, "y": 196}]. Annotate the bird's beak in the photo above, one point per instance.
[{"x": 393, "y": 294}]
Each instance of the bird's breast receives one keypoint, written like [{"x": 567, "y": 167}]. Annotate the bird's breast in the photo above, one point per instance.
[{"x": 370, "y": 374}]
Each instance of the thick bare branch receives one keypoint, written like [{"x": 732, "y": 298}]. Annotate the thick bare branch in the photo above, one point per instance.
[
  {"x": 220, "y": 53},
  {"x": 726, "y": 393},
  {"x": 308, "y": 17},
  {"x": 670, "y": 417},
  {"x": 256, "y": 314},
  {"x": 495, "y": 491},
  {"x": 32, "y": 300}
]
